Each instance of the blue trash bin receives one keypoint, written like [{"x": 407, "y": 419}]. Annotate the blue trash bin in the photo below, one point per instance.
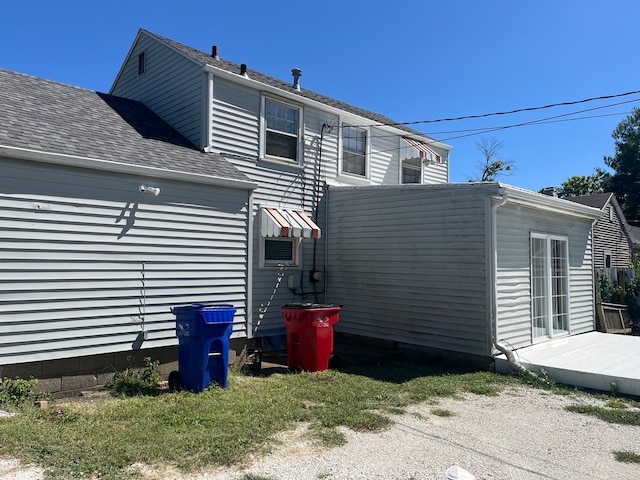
[{"x": 203, "y": 344}]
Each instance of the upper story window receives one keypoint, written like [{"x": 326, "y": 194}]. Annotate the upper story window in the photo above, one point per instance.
[
  {"x": 354, "y": 150},
  {"x": 281, "y": 130},
  {"x": 412, "y": 170}
]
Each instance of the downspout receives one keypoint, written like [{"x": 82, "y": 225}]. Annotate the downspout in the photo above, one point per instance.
[
  {"x": 511, "y": 358},
  {"x": 493, "y": 278},
  {"x": 250, "y": 245},
  {"x": 207, "y": 135}
]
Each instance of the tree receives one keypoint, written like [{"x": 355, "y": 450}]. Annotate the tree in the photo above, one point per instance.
[
  {"x": 585, "y": 185},
  {"x": 625, "y": 182},
  {"x": 493, "y": 165}
]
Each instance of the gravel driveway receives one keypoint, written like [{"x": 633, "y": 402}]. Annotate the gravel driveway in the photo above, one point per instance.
[{"x": 521, "y": 434}]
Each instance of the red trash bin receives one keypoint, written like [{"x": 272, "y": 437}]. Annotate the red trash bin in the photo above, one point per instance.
[{"x": 309, "y": 334}]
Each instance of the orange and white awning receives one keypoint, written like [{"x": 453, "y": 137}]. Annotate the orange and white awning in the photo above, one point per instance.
[
  {"x": 286, "y": 222},
  {"x": 424, "y": 151}
]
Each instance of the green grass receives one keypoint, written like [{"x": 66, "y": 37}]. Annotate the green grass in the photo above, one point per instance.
[
  {"x": 627, "y": 457},
  {"x": 224, "y": 426},
  {"x": 617, "y": 415}
]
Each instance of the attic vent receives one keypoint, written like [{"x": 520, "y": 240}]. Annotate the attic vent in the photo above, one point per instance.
[{"x": 141, "y": 63}]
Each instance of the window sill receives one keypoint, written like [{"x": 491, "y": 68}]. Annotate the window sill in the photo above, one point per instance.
[
  {"x": 353, "y": 178},
  {"x": 279, "y": 161}
]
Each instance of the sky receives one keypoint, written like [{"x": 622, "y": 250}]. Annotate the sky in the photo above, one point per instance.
[{"x": 415, "y": 61}]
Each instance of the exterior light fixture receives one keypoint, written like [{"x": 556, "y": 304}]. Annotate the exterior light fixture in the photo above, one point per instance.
[{"x": 147, "y": 189}]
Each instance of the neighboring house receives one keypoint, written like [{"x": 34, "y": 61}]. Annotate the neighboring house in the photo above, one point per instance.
[
  {"x": 91, "y": 264},
  {"x": 459, "y": 267},
  {"x": 613, "y": 239},
  {"x": 291, "y": 141}
]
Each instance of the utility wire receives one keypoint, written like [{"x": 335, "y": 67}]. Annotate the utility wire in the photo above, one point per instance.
[
  {"x": 519, "y": 110},
  {"x": 549, "y": 119}
]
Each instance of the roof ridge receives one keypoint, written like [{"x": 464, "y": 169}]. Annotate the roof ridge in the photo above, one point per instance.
[{"x": 206, "y": 59}]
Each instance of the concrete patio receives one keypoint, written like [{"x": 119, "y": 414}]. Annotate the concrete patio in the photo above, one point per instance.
[{"x": 591, "y": 360}]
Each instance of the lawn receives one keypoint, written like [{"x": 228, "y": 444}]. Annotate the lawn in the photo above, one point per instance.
[{"x": 221, "y": 427}]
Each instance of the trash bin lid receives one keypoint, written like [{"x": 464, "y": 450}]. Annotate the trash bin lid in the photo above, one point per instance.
[
  {"x": 300, "y": 306},
  {"x": 198, "y": 307}
]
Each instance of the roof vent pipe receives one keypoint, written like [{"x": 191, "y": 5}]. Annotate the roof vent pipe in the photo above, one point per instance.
[
  {"x": 243, "y": 69},
  {"x": 297, "y": 73},
  {"x": 551, "y": 191},
  {"x": 214, "y": 52}
]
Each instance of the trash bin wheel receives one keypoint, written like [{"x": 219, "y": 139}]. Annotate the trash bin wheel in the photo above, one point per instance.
[
  {"x": 175, "y": 382},
  {"x": 335, "y": 362}
]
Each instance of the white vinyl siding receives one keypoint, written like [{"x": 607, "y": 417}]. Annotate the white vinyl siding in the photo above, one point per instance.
[
  {"x": 86, "y": 260},
  {"x": 408, "y": 264},
  {"x": 514, "y": 289},
  {"x": 172, "y": 86}
]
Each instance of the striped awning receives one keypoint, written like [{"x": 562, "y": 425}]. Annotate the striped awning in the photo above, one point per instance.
[
  {"x": 285, "y": 222},
  {"x": 424, "y": 151}
]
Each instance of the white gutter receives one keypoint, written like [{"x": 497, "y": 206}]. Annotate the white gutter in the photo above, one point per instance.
[
  {"x": 493, "y": 275},
  {"x": 110, "y": 166},
  {"x": 548, "y": 203}
]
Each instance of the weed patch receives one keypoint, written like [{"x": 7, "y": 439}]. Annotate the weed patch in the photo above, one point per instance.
[{"x": 627, "y": 457}]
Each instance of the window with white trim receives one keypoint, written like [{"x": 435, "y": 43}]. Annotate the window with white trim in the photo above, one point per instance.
[
  {"x": 412, "y": 170},
  {"x": 354, "y": 150},
  {"x": 280, "y": 252},
  {"x": 281, "y": 132},
  {"x": 549, "y": 285}
]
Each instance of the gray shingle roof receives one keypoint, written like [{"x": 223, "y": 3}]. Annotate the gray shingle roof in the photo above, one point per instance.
[
  {"x": 598, "y": 200},
  {"x": 206, "y": 59},
  {"x": 47, "y": 116}
]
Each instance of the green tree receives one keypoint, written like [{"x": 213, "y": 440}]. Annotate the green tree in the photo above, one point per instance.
[
  {"x": 585, "y": 184},
  {"x": 493, "y": 165},
  {"x": 625, "y": 181}
]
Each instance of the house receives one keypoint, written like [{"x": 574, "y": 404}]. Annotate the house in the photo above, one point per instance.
[
  {"x": 108, "y": 216},
  {"x": 269, "y": 194},
  {"x": 399, "y": 245},
  {"x": 291, "y": 141},
  {"x": 613, "y": 238}
]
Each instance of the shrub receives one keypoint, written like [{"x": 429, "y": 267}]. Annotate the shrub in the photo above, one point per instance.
[{"x": 15, "y": 392}]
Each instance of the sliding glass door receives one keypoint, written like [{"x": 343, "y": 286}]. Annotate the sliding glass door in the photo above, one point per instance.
[{"x": 549, "y": 285}]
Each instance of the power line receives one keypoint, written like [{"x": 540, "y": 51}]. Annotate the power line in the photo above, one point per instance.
[
  {"x": 550, "y": 119},
  {"x": 519, "y": 110}
]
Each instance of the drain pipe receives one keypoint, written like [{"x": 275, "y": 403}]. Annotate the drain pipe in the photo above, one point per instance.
[
  {"x": 508, "y": 353},
  {"x": 504, "y": 197}
]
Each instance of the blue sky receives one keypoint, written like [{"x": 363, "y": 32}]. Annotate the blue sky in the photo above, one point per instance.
[{"x": 412, "y": 60}]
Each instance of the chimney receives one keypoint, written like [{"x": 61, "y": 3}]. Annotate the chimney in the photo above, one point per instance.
[
  {"x": 297, "y": 73},
  {"x": 214, "y": 52},
  {"x": 551, "y": 191}
]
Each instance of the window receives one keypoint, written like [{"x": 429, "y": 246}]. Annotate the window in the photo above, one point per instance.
[
  {"x": 412, "y": 170},
  {"x": 549, "y": 285},
  {"x": 354, "y": 150},
  {"x": 141, "y": 63},
  {"x": 282, "y": 126},
  {"x": 607, "y": 259},
  {"x": 280, "y": 251}
]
